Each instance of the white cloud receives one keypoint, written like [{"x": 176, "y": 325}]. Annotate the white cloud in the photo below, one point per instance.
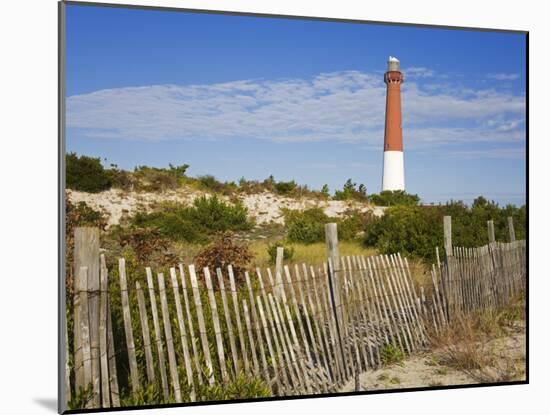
[
  {"x": 418, "y": 72},
  {"x": 339, "y": 106},
  {"x": 492, "y": 153},
  {"x": 503, "y": 76}
]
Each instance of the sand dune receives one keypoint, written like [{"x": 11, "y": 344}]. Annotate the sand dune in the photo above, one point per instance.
[{"x": 265, "y": 207}]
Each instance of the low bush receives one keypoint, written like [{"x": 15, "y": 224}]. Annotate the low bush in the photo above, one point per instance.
[
  {"x": 209, "y": 182},
  {"x": 224, "y": 251},
  {"x": 149, "y": 246},
  {"x": 306, "y": 226},
  {"x": 390, "y": 354},
  {"x": 288, "y": 252},
  {"x": 207, "y": 216},
  {"x": 157, "y": 179},
  {"x": 86, "y": 174},
  {"x": 285, "y": 187},
  {"x": 393, "y": 198},
  {"x": 243, "y": 387},
  {"x": 353, "y": 224}
]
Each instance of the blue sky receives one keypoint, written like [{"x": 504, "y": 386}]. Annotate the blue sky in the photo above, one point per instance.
[{"x": 246, "y": 96}]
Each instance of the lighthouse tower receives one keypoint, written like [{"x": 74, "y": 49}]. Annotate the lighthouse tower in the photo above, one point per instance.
[{"x": 394, "y": 169}]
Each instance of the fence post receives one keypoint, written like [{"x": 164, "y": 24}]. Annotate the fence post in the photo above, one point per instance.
[
  {"x": 331, "y": 236},
  {"x": 511, "y": 230},
  {"x": 333, "y": 275},
  {"x": 447, "y": 281},
  {"x": 491, "y": 231},
  {"x": 279, "y": 272},
  {"x": 86, "y": 254},
  {"x": 447, "y": 233}
]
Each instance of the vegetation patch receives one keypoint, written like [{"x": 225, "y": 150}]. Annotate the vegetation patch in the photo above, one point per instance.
[
  {"x": 417, "y": 230},
  {"x": 288, "y": 252},
  {"x": 308, "y": 226},
  {"x": 197, "y": 223},
  {"x": 222, "y": 252},
  {"x": 86, "y": 174},
  {"x": 391, "y": 354},
  {"x": 394, "y": 198}
]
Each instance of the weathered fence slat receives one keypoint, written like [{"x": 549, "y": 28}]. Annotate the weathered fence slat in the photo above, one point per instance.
[
  {"x": 326, "y": 327},
  {"x": 257, "y": 323},
  {"x": 183, "y": 332},
  {"x": 284, "y": 367},
  {"x": 169, "y": 339},
  {"x": 269, "y": 345},
  {"x": 216, "y": 322},
  {"x": 67, "y": 367},
  {"x": 229, "y": 324},
  {"x": 158, "y": 334},
  {"x": 145, "y": 334},
  {"x": 85, "y": 333},
  {"x": 202, "y": 325},
  {"x": 113, "y": 380},
  {"x": 134, "y": 374},
  {"x": 190, "y": 322},
  {"x": 103, "y": 350}
]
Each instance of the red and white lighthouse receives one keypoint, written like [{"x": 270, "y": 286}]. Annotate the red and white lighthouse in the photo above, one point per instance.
[{"x": 394, "y": 167}]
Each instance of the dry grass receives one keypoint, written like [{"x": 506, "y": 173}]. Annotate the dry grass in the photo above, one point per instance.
[
  {"x": 313, "y": 254},
  {"x": 310, "y": 254},
  {"x": 479, "y": 344}
]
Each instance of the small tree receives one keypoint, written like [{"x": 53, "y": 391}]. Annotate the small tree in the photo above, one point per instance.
[
  {"x": 350, "y": 191},
  {"x": 86, "y": 174}
]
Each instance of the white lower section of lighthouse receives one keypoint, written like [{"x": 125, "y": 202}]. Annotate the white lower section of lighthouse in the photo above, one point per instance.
[{"x": 394, "y": 171}]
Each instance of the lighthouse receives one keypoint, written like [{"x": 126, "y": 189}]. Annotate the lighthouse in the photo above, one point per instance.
[{"x": 394, "y": 167}]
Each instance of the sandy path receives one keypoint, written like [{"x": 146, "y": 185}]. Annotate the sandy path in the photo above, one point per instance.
[{"x": 425, "y": 369}]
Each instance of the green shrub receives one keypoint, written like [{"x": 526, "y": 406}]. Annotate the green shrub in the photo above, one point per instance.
[
  {"x": 243, "y": 387},
  {"x": 122, "y": 179},
  {"x": 350, "y": 191},
  {"x": 288, "y": 252},
  {"x": 352, "y": 225},
  {"x": 393, "y": 198},
  {"x": 209, "y": 182},
  {"x": 306, "y": 226},
  {"x": 86, "y": 174},
  {"x": 417, "y": 230},
  {"x": 285, "y": 187},
  {"x": 159, "y": 179},
  {"x": 391, "y": 354},
  {"x": 207, "y": 216}
]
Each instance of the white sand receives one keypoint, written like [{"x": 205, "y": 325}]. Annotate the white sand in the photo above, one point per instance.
[{"x": 423, "y": 369}]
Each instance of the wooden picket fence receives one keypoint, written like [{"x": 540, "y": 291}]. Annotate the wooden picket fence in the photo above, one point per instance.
[
  {"x": 303, "y": 329},
  {"x": 483, "y": 278}
]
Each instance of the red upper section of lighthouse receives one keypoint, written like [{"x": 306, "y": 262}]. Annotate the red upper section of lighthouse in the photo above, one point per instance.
[{"x": 393, "y": 135}]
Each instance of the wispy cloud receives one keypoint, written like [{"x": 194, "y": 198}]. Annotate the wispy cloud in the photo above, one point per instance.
[
  {"x": 341, "y": 106},
  {"x": 504, "y": 76},
  {"x": 492, "y": 153},
  {"x": 419, "y": 72}
]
